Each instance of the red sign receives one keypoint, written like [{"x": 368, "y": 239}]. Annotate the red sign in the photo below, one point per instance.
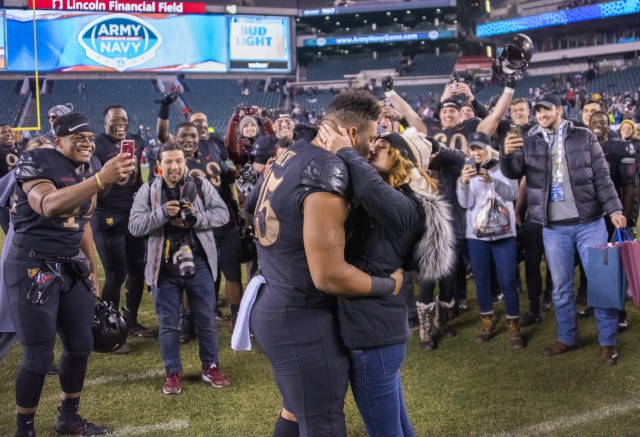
[
  {"x": 473, "y": 63},
  {"x": 131, "y": 6}
]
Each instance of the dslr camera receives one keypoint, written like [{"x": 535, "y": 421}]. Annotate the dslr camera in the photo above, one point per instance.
[
  {"x": 247, "y": 179},
  {"x": 186, "y": 212},
  {"x": 183, "y": 257}
]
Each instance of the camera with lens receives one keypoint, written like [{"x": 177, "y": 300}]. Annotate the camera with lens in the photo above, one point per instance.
[
  {"x": 183, "y": 258},
  {"x": 247, "y": 178},
  {"x": 186, "y": 212}
]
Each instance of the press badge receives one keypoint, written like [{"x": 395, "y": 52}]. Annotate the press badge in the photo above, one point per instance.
[{"x": 556, "y": 193}]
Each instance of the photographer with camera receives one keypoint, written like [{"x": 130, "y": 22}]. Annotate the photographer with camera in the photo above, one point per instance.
[{"x": 178, "y": 212}]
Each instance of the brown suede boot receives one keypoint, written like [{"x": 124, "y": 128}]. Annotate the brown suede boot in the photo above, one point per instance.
[
  {"x": 489, "y": 323},
  {"x": 513, "y": 330}
]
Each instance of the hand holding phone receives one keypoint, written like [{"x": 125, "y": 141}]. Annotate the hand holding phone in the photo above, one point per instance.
[
  {"x": 128, "y": 146},
  {"x": 516, "y": 130},
  {"x": 470, "y": 161}
]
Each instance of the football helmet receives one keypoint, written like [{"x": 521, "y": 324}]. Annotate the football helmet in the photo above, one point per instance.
[
  {"x": 515, "y": 56},
  {"x": 109, "y": 328}
]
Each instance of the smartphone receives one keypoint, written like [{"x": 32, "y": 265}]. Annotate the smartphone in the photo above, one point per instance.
[
  {"x": 128, "y": 146},
  {"x": 515, "y": 130},
  {"x": 470, "y": 161}
]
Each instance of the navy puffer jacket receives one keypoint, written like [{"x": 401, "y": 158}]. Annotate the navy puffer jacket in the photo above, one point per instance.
[{"x": 593, "y": 189}]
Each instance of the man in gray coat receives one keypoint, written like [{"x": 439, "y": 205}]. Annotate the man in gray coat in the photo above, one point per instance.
[
  {"x": 178, "y": 213},
  {"x": 569, "y": 190}
]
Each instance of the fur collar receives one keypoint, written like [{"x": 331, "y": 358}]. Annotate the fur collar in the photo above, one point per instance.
[{"x": 434, "y": 254}]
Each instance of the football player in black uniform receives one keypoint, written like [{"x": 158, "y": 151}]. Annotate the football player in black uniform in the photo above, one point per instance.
[
  {"x": 121, "y": 253},
  {"x": 9, "y": 153},
  {"x": 47, "y": 270},
  {"x": 299, "y": 223}
]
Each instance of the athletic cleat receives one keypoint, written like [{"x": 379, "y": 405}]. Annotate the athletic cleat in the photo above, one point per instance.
[
  {"x": 79, "y": 426},
  {"x": 214, "y": 376},
  {"x": 173, "y": 384}
]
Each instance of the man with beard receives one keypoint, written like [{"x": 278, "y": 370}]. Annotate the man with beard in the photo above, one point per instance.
[
  {"x": 121, "y": 253},
  {"x": 50, "y": 268},
  {"x": 569, "y": 189},
  {"x": 622, "y": 167},
  {"x": 205, "y": 161},
  {"x": 54, "y": 113}
]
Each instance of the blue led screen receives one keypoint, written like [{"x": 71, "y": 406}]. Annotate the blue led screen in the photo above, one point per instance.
[{"x": 585, "y": 13}]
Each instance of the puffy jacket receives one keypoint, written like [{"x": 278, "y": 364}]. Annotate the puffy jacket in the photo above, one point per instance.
[{"x": 588, "y": 173}]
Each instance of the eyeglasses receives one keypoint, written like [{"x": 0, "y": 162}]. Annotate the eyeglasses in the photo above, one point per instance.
[{"x": 53, "y": 117}]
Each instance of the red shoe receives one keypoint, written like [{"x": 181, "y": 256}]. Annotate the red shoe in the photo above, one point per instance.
[
  {"x": 214, "y": 376},
  {"x": 173, "y": 384}
]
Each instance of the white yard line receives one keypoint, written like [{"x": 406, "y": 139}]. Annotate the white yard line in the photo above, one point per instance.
[
  {"x": 575, "y": 420},
  {"x": 174, "y": 425},
  {"x": 125, "y": 378}
]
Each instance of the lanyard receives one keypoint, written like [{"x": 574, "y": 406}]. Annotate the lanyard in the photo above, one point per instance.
[{"x": 556, "y": 168}]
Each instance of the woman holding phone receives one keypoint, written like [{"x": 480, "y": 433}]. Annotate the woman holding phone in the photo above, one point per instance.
[{"x": 479, "y": 176}]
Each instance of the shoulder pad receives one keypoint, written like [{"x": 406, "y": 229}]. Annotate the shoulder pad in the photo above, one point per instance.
[
  {"x": 34, "y": 164},
  {"x": 327, "y": 173}
]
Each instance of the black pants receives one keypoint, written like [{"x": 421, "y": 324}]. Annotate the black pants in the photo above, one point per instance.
[
  {"x": 70, "y": 313},
  {"x": 533, "y": 249},
  {"x": 309, "y": 361},
  {"x": 122, "y": 256}
]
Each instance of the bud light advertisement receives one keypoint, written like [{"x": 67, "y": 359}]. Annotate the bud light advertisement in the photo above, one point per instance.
[{"x": 123, "y": 42}]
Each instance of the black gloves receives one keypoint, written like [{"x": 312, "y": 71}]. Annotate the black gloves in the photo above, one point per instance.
[
  {"x": 168, "y": 99},
  {"x": 512, "y": 81},
  {"x": 387, "y": 83}
]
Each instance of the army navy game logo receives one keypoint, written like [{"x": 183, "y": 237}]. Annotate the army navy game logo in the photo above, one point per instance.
[{"x": 120, "y": 41}]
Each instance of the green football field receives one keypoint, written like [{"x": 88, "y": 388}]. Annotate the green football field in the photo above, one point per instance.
[{"x": 460, "y": 389}]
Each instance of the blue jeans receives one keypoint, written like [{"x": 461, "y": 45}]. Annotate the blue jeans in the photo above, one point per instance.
[
  {"x": 504, "y": 254},
  {"x": 377, "y": 389},
  {"x": 559, "y": 245},
  {"x": 201, "y": 295}
]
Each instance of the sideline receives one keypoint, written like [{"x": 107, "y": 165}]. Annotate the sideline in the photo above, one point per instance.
[
  {"x": 174, "y": 425},
  {"x": 575, "y": 420}
]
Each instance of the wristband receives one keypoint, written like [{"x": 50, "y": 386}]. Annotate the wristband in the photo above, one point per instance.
[
  {"x": 390, "y": 93},
  {"x": 509, "y": 90},
  {"x": 163, "y": 114},
  {"x": 100, "y": 186},
  {"x": 382, "y": 286}
]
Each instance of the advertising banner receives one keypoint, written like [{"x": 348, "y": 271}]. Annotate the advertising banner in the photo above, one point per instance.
[
  {"x": 152, "y": 7},
  {"x": 75, "y": 41},
  {"x": 259, "y": 43},
  {"x": 378, "y": 38},
  {"x": 2, "y": 40},
  {"x": 127, "y": 42}
]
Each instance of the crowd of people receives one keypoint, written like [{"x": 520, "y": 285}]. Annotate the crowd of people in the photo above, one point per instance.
[{"x": 332, "y": 220}]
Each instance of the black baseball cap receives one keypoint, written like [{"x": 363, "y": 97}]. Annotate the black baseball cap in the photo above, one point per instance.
[
  {"x": 450, "y": 103},
  {"x": 547, "y": 101},
  {"x": 479, "y": 139}
]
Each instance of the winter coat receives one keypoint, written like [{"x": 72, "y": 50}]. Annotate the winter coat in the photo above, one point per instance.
[
  {"x": 148, "y": 218},
  {"x": 391, "y": 228},
  {"x": 471, "y": 198},
  {"x": 588, "y": 173}
]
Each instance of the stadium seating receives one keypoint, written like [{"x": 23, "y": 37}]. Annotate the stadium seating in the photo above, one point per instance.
[
  {"x": 616, "y": 82},
  {"x": 218, "y": 97},
  {"x": 336, "y": 67},
  {"x": 11, "y": 102},
  {"x": 429, "y": 64},
  {"x": 136, "y": 95},
  {"x": 316, "y": 103}
]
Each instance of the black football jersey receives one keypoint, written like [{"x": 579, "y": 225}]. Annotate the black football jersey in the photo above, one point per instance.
[
  {"x": 53, "y": 236},
  {"x": 621, "y": 156},
  {"x": 120, "y": 197},
  {"x": 207, "y": 163},
  {"x": 8, "y": 159},
  {"x": 455, "y": 138},
  {"x": 278, "y": 220}
]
